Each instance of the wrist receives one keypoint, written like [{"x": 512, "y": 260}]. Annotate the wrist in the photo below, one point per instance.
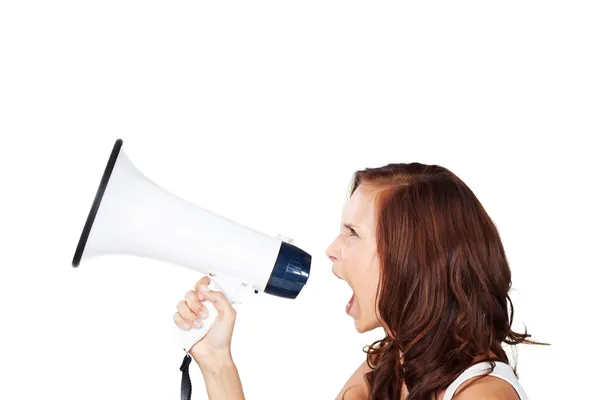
[{"x": 215, "y": 362}]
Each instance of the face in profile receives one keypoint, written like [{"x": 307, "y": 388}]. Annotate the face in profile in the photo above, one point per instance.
[{"x": 355, "y": 259}]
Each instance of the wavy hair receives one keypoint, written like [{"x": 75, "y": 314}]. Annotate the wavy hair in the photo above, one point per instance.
[{"x": 443, "y": 293}]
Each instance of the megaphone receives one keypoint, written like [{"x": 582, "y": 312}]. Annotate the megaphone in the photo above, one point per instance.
[{"x": 132, "y": 215}]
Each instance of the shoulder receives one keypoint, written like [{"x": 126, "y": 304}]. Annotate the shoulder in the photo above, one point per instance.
[
  {"x": 487, "y": 388},
  {"x": 355, "y": 387},
  {"x": 355, "y": 392}
]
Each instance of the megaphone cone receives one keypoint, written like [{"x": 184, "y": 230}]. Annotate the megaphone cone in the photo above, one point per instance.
[{"x": 132, "y": 215}]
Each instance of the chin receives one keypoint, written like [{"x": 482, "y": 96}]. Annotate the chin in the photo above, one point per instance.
[
  {"x": 362, "y": 327},
  {"x": 358, "y": 326}
]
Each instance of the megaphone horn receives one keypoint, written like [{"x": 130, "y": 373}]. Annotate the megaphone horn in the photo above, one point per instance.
[{"x": 132, "y": 215}]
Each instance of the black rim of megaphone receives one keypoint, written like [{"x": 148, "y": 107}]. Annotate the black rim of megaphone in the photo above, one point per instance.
[{"x": 97, "y": 200}]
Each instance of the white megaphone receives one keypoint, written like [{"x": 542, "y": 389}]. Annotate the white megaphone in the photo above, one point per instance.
[{"x": 132, "y": 215}]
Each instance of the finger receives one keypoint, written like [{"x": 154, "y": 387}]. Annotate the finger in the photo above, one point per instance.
[
  {"x": 223, "y": 306},
  {"x": 195, "y": 305},
  {"x": 180, "y": 322},
  {"x": 188, "y": 315},
  {"x": 204, "y": 281}
]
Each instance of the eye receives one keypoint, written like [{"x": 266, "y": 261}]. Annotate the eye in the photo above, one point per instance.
[{"x": 349, "y": 229}]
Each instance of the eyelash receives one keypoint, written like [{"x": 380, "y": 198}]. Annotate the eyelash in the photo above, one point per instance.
[{"x": 352, "y": 232}]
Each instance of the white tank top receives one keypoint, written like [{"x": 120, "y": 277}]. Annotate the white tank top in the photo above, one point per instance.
[{"x": 501, "y": 370}]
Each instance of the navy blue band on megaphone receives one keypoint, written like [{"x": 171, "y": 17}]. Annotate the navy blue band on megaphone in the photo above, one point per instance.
[{"x": 290, "y": 272}]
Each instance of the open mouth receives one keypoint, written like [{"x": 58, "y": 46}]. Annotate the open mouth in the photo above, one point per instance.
[{"x": 350, "y": 303}]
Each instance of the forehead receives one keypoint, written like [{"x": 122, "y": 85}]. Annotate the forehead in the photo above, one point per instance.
[{"x": 360, "y": 208}]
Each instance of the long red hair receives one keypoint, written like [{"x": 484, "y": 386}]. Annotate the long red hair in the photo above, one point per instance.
[{"x": 443, "y": 293}]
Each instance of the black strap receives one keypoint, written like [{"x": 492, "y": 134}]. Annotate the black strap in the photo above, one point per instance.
[{"x": 186, "y": 383}]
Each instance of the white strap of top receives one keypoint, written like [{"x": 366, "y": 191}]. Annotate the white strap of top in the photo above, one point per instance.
[{"x": 502, "y": 371}]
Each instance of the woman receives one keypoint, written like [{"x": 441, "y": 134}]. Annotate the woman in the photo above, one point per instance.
[{"x": 425, "y": 263}]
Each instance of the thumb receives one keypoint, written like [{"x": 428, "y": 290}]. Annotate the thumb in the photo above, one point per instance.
[{"x": 226, "y": 311}]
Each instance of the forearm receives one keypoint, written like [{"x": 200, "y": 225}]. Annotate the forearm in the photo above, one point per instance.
[{"x": 222, "y": 380}]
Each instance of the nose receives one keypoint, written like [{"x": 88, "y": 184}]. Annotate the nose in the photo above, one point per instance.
[
  {"x": 331, "y": 257},
  {"x": 330, "y": 251},
  {"x": 330, "y": 254}
]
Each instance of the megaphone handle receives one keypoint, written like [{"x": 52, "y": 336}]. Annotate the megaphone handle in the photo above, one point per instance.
[{"x": 193, "y": 335}]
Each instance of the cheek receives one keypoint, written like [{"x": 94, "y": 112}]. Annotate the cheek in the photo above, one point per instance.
[
  {"x": 368, "y": 291},
  {"x": 361, "y": 267},
  {"x": 369, "y": 282},
  {"x": 350, "y": 248},
  {"x": 356, "y": 260},
  {"x": 366, "y": 277}
]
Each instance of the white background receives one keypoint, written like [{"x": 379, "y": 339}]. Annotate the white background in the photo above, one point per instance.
[{"x": 261, "y": 111}]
